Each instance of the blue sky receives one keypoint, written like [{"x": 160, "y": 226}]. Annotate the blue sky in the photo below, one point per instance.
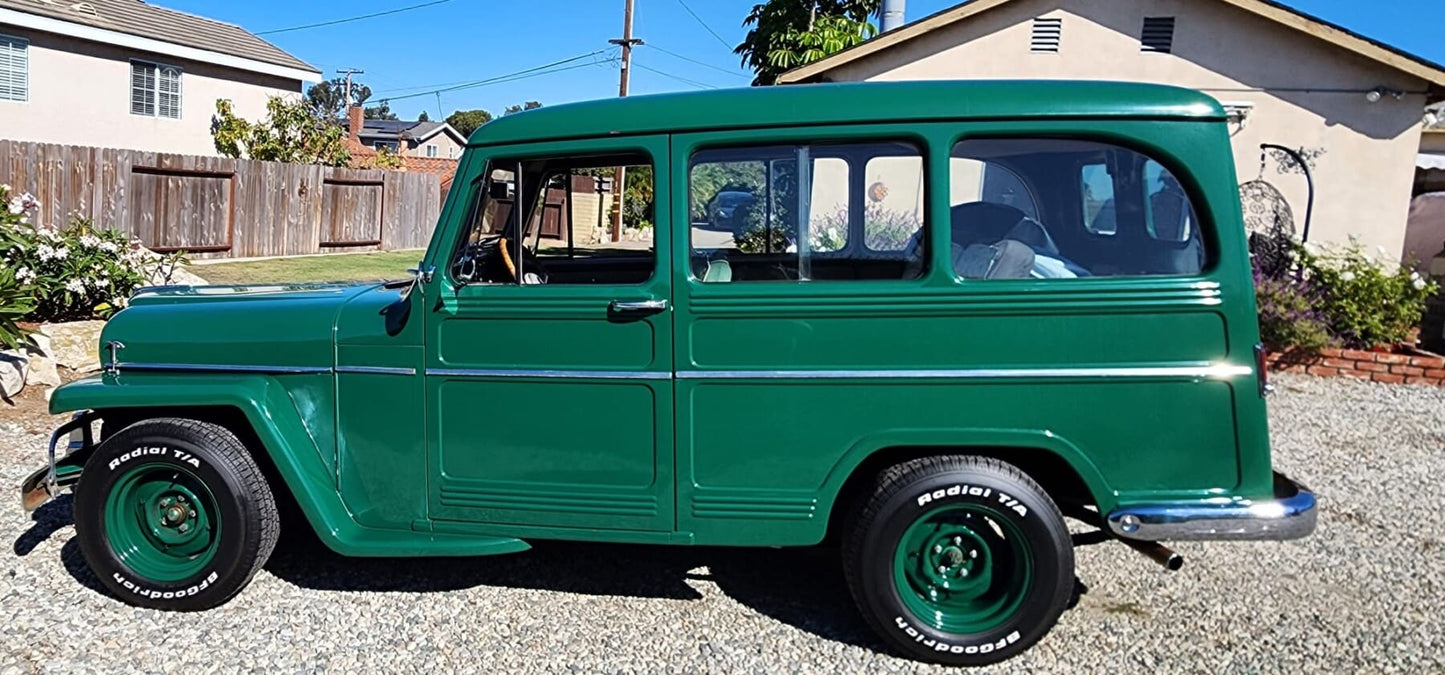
[{"x": 463, "y": 41}]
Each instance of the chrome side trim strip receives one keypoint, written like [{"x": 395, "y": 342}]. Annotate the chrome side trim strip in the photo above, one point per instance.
[
  {"x": 1206, "y": 372},
  {"x": 222, "y": 368},
  {"x": 375, "y": 370},
  {"x": 1291, "y": 515},
  {"x": 594, "y": 374}
]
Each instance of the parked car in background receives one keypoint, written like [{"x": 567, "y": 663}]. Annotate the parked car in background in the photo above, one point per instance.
[
  {"x": 953, "y": 350},
  {"x": 727, "y": 211}
]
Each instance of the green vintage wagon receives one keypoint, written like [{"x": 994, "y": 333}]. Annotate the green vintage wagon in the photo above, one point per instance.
[{"x": 936, "y": 320}]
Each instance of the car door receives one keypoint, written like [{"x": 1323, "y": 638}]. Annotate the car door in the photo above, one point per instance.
[{"x": 550, "y": 404}]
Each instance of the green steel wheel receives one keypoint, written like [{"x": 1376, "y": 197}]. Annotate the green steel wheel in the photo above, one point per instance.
[
  {"x": 174, "y": 514},
  {"x": 162, "y": 522},
  {"x": 959, "y": 560}
]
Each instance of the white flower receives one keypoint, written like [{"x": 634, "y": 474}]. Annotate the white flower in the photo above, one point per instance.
[
  {"x": 109, "y": 247},
  {"x": 25, "y": 274},
  {"x": 75, "y": 286},
  {"x": 117, "y": 301},
  {"x": 1348, "y": 276},
  {"x": 62, "y": 253},
  {"x": 1419, "y": 283},
  {"x": 45, "y": 252},
  {"x": 16, "y": 206},
  {"x": 90, "y": 241},
  {"x": 4, "y": 187}
]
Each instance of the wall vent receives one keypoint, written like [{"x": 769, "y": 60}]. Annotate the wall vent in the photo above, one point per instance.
[
  {"x": 1046, "y": 36},
  {"x": 1157, "y": 35}
]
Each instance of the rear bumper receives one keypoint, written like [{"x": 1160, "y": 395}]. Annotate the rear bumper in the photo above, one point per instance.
[{"x": 1291, "y": 514}]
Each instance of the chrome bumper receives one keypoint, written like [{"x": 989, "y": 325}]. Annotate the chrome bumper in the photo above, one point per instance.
[
  {"x": 46, "y": 484},
  {"x": 1290, "y": 515}
]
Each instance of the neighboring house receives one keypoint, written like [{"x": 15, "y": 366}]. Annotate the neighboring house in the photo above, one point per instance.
[
  {"x": 429, "y": 147},
  {"x": 421, "y": 139},
  {"x": 125, "y": 74},
  {"x": 1355, "y": 106}
]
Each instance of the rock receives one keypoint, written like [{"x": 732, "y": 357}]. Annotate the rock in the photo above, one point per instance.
[
  {"x": 43, "y": 372},
  {"x": 14, "y": 368},
  {"x": 75, "y": 345}
]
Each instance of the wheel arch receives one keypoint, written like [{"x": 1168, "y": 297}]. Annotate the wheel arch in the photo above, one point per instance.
[
  {"x": 258, "y": 409},
  {"x": 1064, "y": 472}
]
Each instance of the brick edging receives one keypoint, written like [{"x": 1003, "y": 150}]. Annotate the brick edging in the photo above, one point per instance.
[{"x": 1403, "y": 365}]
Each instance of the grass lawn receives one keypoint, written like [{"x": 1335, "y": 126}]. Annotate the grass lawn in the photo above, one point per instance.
[{"x": 347, "y": 267}]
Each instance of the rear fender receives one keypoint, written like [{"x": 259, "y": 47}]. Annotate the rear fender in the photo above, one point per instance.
[{"x": 999, "y": 442}]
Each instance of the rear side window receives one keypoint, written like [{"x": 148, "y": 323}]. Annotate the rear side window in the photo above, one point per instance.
[
  {"x": 823, "y": 212},
  {"x": 1062, "y": 209}
]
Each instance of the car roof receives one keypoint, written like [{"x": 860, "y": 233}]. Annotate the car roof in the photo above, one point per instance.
[{"x": 849, "y": 103}]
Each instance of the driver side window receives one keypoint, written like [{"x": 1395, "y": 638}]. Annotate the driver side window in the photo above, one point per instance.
[{"x": 564, "y": 220}]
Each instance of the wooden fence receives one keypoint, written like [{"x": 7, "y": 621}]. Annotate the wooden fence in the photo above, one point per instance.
[{"x": 220, "y": 207}]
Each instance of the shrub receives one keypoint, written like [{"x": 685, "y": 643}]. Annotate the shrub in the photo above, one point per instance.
[
  {"x": 15, "y": 296},
  {"x": 1312, "y": 296},
  {"x": 80, "y": 272},
  {"x": 1365, "y": 302},
  {"x": 1289, "y": 317}
]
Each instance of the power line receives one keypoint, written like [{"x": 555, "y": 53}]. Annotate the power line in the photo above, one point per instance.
[
  {"x": 692, "y": 60},
  {"x": 353, "y": 18},
  {"x": 694, "y": 83},
  {"x": 547, "y": 69},
  {"x": 704, "y": 25}
]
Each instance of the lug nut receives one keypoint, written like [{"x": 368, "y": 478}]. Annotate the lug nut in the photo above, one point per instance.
[
  {"x": 167, "y": 501},
  {"x": 192, "y": 513},
  {"x": 185, "y": 526},
  {"x": 958, "y": 541},
  {"x": 942, "y": 569},
  {"x": 938, "y": 549},
  {"x": 971, "y": 552}
]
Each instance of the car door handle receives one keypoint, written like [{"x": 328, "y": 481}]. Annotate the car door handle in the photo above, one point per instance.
[{"x": 637, "y": 306}]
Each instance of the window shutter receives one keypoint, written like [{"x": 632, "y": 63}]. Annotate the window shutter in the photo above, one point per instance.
[
  {"x": 142, "y": 89},
  {"x": 1046, "y": 36},
  {"x": 14, "y": 69},
  {"x": 1157, "y": 35}
]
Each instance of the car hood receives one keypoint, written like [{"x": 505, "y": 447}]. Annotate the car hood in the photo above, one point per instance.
[{"x": 257, "y": 327}]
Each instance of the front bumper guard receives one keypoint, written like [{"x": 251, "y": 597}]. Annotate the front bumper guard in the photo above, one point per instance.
[
  {"x": 46, "y": 484},
  {"x": 1290, "y": 515}
]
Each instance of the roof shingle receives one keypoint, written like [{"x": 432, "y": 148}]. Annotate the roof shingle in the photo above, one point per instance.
[{"x": 135, "y": 17}]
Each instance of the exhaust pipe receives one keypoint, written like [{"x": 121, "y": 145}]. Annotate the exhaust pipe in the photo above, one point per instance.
[{"x": 1158, "y": 553}]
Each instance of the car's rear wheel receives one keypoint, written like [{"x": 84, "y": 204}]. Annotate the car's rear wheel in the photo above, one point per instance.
[
  {"x": 174, "y": 514},
  {"x": 959, "y": 560}
]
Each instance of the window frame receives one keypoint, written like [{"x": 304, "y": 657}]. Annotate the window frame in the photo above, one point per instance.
[
  {"x": 156, "y": 92},
  {"x": 25, "y": 75},
  {"x": 857, "y": 176},
  {"x": 1204, "y": 220},
  {"x": 473, "y": 201}
]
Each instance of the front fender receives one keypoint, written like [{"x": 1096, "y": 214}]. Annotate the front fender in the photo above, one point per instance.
[{"x": 274, "y": 416}]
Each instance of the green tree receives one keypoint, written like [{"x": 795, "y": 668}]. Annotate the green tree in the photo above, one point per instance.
[
  {"x": 423, "y": 117},
  {"x": 467, "y": 121},
  {"x": 291, "y": 132},
  {"x": 328, "y": 99},
  {"x": 786, "y": 34},
  {"x": 380, "y": 111},
  {"x": 513, "y": 109}
]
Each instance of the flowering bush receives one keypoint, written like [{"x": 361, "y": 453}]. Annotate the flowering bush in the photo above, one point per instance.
[
  {"x": 1312, "y": 296},
  {"x": 80, "y": 272},
  {"x": 1288, "y": 314},
  {"x": 1366, "y": 302},
  {"x": 15, "y": 296},
  {"x": 883, "y": 230}
]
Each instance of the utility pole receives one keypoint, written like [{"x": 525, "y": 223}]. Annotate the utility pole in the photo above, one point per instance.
[
  {"x": 619, "y": 183},
  {"x": 348, "y": 72}
]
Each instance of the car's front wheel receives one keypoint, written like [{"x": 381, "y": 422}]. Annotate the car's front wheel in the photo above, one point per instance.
[
  {"x": 959, "y": 560},
  {"x": 174, "y": 514}
]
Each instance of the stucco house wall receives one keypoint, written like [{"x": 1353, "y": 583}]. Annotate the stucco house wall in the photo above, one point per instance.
[
  {"x": 446, "y": 147},
  {"x": 1304, "y": 93},
  {"x": 79, "y": 94}
]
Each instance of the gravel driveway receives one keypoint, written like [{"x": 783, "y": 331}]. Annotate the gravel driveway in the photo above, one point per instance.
[{"x": 1365, "y": 593}]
